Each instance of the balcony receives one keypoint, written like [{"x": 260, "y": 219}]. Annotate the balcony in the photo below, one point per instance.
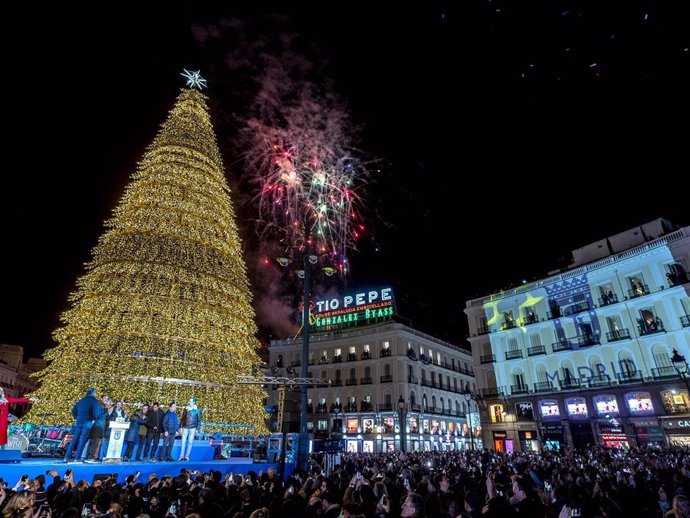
[
  {"x": 577, "y": 308},
  {"x": 365, "y": 381},
  {"x": 351, "y": 381},
  {"x": 351, "y": 407},
  {"x": 412, "y": 379},
  {"x": 599, "y": 381},
  {"x": 677, "y": 278},
  {"x": 667, "y": 372},
  {"x": 618, "y": 335},
  {"x": 385, "y": 352},
  {"x": 585, "y": 341},
  {"x": 519, "y": 389},
  {"x": 351, "y": 357},
  {"x": 336, "y": 408},
  {"x": 536, "y": 350},
  {"x": 365, "y": 406},
  {"x": 321, "y": 409},
  {"x": 488, "y": 358},
  {"x": 295, "y": 363},
  {"x": 492, "y": 392},
  {"x": 482, "y": 330},
  {"x": 338, "y": 359},
  {"x": 530, "y": 318},
  {"x": 386, "y": 407},
  {"x": 366, "y": 355},
  {"x": 561, "y": 345},
  {"x": 514, "y": 355},
  {"x": 543, "y": 386},
  {"x": 630, "y": 377},
  {"x": 337, "y": 382},
  {"x": 427, "y": 383},
  {"x": 387, "y": 378},
  {"x": 415, "y": 408},
  {"x": 607, "y": 300},
  {"x": 554, "y": 313},
  {"x": 570, "y": 384},
  {"x": 685, "y": 321},
  {"x": 638, "y": 291},
  {"x": 508, "y": 324},
  {"x": 323, "y": 359},
  {"x": 650, "y": 327}
]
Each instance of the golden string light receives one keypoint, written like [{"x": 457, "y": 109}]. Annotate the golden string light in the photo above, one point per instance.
[{"x": 163, "y": 311}]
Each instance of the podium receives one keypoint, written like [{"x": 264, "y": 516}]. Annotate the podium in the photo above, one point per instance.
[{"x": 115, "y": 442}]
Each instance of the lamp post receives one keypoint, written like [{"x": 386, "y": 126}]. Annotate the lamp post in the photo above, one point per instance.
[
  {"x": 401, "y": 416},
  {"x": 469, "y": 397},
  {"x": 681, "y": 366}
]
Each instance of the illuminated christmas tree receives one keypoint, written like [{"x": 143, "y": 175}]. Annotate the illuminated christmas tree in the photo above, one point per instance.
[{"x": 163, "y": 311}]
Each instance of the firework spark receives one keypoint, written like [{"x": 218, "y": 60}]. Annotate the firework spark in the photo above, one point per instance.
[{"x": 308, "y": 177}]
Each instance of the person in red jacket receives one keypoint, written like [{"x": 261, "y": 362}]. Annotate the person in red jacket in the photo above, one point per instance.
[{"x": 5, "y": 411}]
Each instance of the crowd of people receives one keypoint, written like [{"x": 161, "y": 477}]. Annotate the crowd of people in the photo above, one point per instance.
[{"x": 647, "y": 483}]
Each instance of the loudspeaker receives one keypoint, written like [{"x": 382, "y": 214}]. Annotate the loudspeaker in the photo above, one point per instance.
[{"x": 10, "y": 456}]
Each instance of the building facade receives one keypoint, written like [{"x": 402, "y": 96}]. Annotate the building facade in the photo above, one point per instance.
[
  {"x": 370, "y": 368},
  {"x": 15, "y": 375},
  {"x": 584, "y": 356}
]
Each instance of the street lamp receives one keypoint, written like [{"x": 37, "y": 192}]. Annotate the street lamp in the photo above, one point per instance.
[
  {"x": 309, "y": 259},
  {"x": 681, "y": 367},
  {"x": 403, "y": 428},
  {"x": 469, "y": 397}
]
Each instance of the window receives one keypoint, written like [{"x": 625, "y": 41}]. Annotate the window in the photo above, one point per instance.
[
  {"x": 366, "y": 348},
  {"x": 338, "y": 352},
  {"x": 389, "y": 400},
  {"x": 513, "y": 344},
  {"x": 496, "y": 412},
  {"x": 367, "y": 372},
  {"x": 424, "y": 402},
  {"x": 387, "y": 370},
  {"x": 352, "y": 349},
  {"x": 535, "y": 340},
  {"x": 322, "y": 425}
]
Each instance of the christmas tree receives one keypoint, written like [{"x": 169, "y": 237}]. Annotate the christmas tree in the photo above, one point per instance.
[{"x": 163, "y": 311}]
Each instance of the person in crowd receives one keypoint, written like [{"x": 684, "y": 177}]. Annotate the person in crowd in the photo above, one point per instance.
[
  {"x": 170, "y": 425},
  {"x": 136, "y": 433},
  {"x": 154, "y": 423},
  {"x": 85, "y": 412},
  {"x": 97, "y": 431},
  {"x": 191, "y": 424}
]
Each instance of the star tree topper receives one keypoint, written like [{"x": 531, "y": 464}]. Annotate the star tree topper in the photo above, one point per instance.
[{"x": 194, "y": 79}]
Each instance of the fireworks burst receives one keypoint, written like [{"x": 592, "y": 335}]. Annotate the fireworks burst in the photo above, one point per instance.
[{"x": 308, "y": 178}]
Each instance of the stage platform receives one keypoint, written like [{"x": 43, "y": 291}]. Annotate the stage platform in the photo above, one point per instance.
[{"x": 11, "y": 473}]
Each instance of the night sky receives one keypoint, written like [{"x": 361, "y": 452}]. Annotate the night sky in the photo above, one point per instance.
[{"x": 508, "y": 134}]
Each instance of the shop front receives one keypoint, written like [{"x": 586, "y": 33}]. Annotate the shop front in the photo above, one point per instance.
[
  {"x": 554, "y": 436},
  {"x": 582, "y": 434},
  {"x": 649, "y": 431},
  {"x": 528, "y": 440},
  {"x": 613, "y": 436},
  {"x": 500, "y": 440},
  {"x": 677, "y": 430}
]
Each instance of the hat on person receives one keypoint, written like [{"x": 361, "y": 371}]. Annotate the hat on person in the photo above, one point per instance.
[{"x": 91, "y": 391}]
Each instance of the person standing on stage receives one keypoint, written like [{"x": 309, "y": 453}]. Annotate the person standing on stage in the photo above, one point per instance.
[
  {"x": 85, "y": 411},
  {"x": 154, "y": 422},
  {"x": 170, "y": 426},
  {"x": 97, "y": 431},
  {"x": 191, "y": 423},
  {"x": 5, "y": 412}
]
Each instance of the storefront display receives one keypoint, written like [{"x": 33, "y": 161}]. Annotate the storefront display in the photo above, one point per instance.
[
  {"x": 576, "y": 408},
  {"x": 368, "y": 446},
  {"x": 500, "y": 442},
  {"x": 352, "y": 446},
  {"x": 435, "y": 427},
  {"x": 675, "y": 401},
  {"x": 414, "y": 426},
  {"x": 613, "y": 436},
  {"x": 524, "y": 412},
  {"x": 352, "y": 425},
  {"x": 528, "y": 441},
  {"x": 548, "y": 409},
  {"x": 425, "y": 425},
  {"x": 388, "y": 425},
  {"x": 554, "y": 436},
  {"x": 606, "y": 405},
  {"x": 368, "y": 426},
  {"x": 639, "y": 403},
  {"x": 649, "y": 431}
]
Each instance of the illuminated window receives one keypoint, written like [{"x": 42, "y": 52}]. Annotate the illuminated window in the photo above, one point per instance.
[
  {"x": 496, "y": 412},
  {"x": 352, "y": 349},
  {"x": 675, "y": 401}
]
